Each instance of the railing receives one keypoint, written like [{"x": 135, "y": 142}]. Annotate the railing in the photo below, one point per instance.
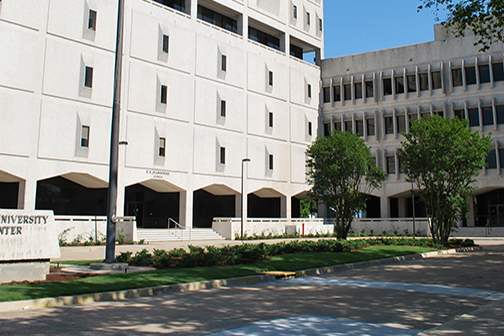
[{"x": 179, "y": 227}]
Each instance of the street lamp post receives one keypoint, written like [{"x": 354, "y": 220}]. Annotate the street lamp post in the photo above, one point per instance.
[
  {"x": 243, "y": 200},
  {"x": 413, "y": 208}
]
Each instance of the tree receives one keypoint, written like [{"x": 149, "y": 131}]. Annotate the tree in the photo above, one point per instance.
[
  {"x": 442, "y": 157},
  {"x": 485, "y": 18},
  {"x": 307, "y": 207},
  {"x": 340, "y": 172}
]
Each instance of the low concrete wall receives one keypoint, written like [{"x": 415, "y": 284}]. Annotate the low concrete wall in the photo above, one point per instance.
[
  {"x": 479, "y": 232},
  {"x": 82, "y": 228}
]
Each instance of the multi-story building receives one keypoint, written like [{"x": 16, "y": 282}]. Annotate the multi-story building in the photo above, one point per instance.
[
  {"x": 206, "y": 83},
  {"x": 377, "y": 94}
]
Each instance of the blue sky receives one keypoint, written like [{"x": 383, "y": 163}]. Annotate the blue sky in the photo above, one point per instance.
[{"x": 356, "y": 26}]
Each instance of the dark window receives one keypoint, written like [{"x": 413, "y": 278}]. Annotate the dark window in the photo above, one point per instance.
[
  {"x": 337, "y": 93},
  {"x": 320, "y": 24},
  {"x": 499, "y": 109},
  {"x": 162, "y": 147},
  {"x": 164, "y": 94},
  {"x": 217, "y": 19},
  {"x": 484, "y": 73},
  {"x": 175, "y": 4},
  {"x": 487, "y": 115},
  {"x": 425, "y": 115},
  {"x": 309, "y": 90},
  {"x": 412, "y": 117},
  {"x": 294, "y": 11},
  {"x": 270, "y": 119},
  {"x": 309, "y": 128},
  {"x": 327, "y": 94},
  {"x": 459, "y": 113},
  {"x": 264, "y": 38},
  {"x": 399, "y": 84},
  {"x": 457, "y": 77},
  {"x": 498, "y": 72},
  {"x": 296, "y": 51},
  {"x": 223, "y": 155},
  {"x": 370, "y": 125},
  {"x": 348, "y": 126},
  {"x": 390, "y": 160},
  {"x": 389, "y": 125},
  {"x": 401, "y": 123},
  {"x": 327, "y": 129},
  {"x": 223, "y": 63},
  {"x": 85, "y": 136},
  {"x": 92, "y": 19},
  {"x": 470, "y": 73},
  {"x": 359, "y": 127},
  {"x": 491, "y": 159},
  {"x": 411, "y": 79},
  {"x": 270, "y": 78},
  {"x": 88, "y": 77},
  {"x": 387, "y": 86},
  {"x": 270, "y": 161},
  {"x": 347, "y": 88},
  {"x": 436, "y": 80},
  {"x": 439, "y": 113},
  {"x": 358, "y": 90},
  {"x": 308, "y": 20},
  {"x": 166, "y": 43},
  {"x": 337, "y": 125},
  {"x": 473, "y": 116},
  {"x": 424, "y": 81},
  {"x": 369, "y": 89},
  {"x": 223, "y": 108}
]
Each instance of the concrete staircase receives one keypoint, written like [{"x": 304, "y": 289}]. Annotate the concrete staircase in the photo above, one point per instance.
[{"x": 177, "y": 234}]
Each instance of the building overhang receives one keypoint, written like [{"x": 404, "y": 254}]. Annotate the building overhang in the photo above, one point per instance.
[
  {"x": 86, "y": 180},
  {"x": 220, "y": 190},
  {"x": 161, "y": 186},
  {"x": 9, "y": 178},
  {"x": 268, "y": 193}
]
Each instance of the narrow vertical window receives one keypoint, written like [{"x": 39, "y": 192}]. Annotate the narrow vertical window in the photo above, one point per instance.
[
  {"x": 270, "y": 161},
  {"x": 92, "y": 20},
  {"x": 399, "y": 84},
  {"x": 85, "y": 136},
  {"x": 223, "y": 108},
  {"x": 222, "y": 159},
  {"x": 270, "y": 119},
  {"x": 436, "y": 80},
  {"x": 473, "y": 113},
  {"x": 347, "y": 91},
  {"x": 308, "y": 21},
  {"x": 309, "y": 91},
  {"x": 223, "y": 63},
  {"x": 166, "y": 43},
  {"x": 337, "y": 93},
  {"x": 390, "y": 160},
  {"x": 162, "y": 147},
  {"x": 294, "y": 11},
  {"x": 424, "y": 81},
  {"x": 270, "y": 79},
  {"x": 389, "y": 125},
  {"x": 327, "y": 94},
  {"x": 387, "y": 86},
  {"x": 88, "y": 77},
  {"x": 309, "y": 128},
  {"x": 498, "y": 72},
  {"x": 470, "y": 73},
  {"x": 164, "y": 94},
  {"x": 484, "y": 73},
  {"x": 358, "y": 90},
  {"x": 411, "y": 82},
  {"x": 457, "y": 77},
  {"x": 369, "y": 89},
  {"x": 320, "y": 24},
  {"x": 370, "y": 126}
]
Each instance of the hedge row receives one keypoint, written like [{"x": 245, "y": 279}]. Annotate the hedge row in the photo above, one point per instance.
[{"x": 249, "y": 253}]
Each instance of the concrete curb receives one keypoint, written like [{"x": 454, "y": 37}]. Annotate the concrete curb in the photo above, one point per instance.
[{"x": 149, "y": 291}]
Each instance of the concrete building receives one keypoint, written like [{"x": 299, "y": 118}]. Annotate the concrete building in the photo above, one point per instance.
[
  {"x": 206, "y": 83},
  {"x": 377, "y": 94}
]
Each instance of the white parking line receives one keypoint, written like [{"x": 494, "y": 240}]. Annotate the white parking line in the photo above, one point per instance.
[
  {"x": 402, "y": 286},
  {"x": 308, "y": 325}
]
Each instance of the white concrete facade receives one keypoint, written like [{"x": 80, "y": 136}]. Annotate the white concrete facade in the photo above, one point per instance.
[
  {"x": 56, "y": 87},
  {"x": 375, "y": 94}
]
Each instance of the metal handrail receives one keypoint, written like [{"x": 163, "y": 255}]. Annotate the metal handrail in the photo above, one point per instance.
[{"x": 170, "y": 220}]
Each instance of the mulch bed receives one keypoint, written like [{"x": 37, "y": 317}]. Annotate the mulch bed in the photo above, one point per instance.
[{"x": 55, "y": 275}]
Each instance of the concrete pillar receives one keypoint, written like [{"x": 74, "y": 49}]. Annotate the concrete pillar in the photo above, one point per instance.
[
  {"x": 471, "y": 221},
  {"x": 384, "y": 203},
  {"x": 121, "y": 193},
  {"x": 284, "y": 207},
  {"x": 186, "y": 208},
  {"x": 238, "y": 205},
  {"x": 27, "y": 194},
  {"x": 402, "y": 207}
]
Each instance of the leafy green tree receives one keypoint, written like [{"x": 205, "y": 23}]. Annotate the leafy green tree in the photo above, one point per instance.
[
  {"x": 442, "y": 157},
  {"x": 307, "y": 206},
  {"x": 485, "y": 18},
  {"x": 341, "y": 171}
]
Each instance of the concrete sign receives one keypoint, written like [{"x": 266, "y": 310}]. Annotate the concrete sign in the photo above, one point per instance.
[{"x": 28, "y": 235}]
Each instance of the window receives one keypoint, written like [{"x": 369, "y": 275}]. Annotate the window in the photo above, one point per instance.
[
  {"x": 162, "y": 147},
  {"x": 270, "y": 78},
  {"x": 439, "y": 113},
  {"x": 164, "y": 94},
  {"x": 309, "y": 128},
  {"x": 223, "y": 62},
  {"x": 499, "y": 111},
  {"x": 308, "y": 21},
  {"x": 358, "y": 90},
  {"x": 401, "y": 123},
  {"x": 399, "y": 84},
  {"x": 217, "y": 19},
  {"x": 347, "y": 88},
  {"x": 473, "y": 116},
  {"x": 389, "y": 125},
  {"x": 501, "y": 157},
  {"x": 320, "y": 25},
  {"x": 294, "y": 11},
  {"x": 270, "y": 119},
  {"x": 337, "y": 93},
  {"x": 348, "y": 126},
  {"x": 412, "y": 117},
  {"x": 264, "y": 38},
  {"x": 309, "y": 91},
  {"x": 175, "y": 4},
  {"x": 359, "y": 127},
  {"x": 436, "y": 80},
  {"x": 390, "y": 161},
  {"x": 296, "y": 51},
  {"x": 491, "y": 159},
  {"x": 424, "y": 81},
  {"x": 487, "y": 115},
  {"x": 85, "y": 136},
  {"x": 337, "y": 125},
  {"x": 166, "y": 43},
  {"x": 327, "y": 94},
  {"x": 484, "y": 73},
  {"x": 387, "y": 86},
  {"x": 459, "y": 113},
  {"x": 222, "y": 157},
  {"x": 369, "y": 89},
  {"x": 411, "y": 80},
  {"x": 92, "y": 19},
  {"x": 270, "y": 161},
  {"x": 370, "y": 126},
  {"x": 457, "y": 77},
  {"x": 327, "y": 129},
  {"x": 498, "y": 72},
  {"x": 223, "y": 108},
  {"x": 88, "y": 77},
  {"x": 470, "y": 73}
]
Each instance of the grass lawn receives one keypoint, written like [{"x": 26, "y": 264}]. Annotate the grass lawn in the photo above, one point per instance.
[{"x": 120, "y": 281}]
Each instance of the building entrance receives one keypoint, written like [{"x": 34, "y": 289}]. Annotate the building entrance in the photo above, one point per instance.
[{"x": 9, "y": 195}]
